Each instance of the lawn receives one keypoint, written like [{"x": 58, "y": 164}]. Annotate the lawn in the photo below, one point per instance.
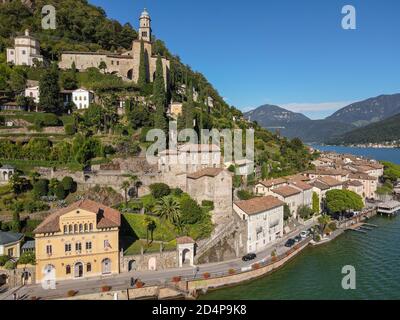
[
  {"x": 135, "y": 225},
  {"x": 136, "y": 247},
  {"x": 28, "y": 165}
]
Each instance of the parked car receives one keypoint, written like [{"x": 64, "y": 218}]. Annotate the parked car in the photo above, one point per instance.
[
  {"x": 249, "y": 257},
  {"x": 298, "y": 238},
  {"x": 290, "y": 243},
  {"x": 304, "y": 234}
]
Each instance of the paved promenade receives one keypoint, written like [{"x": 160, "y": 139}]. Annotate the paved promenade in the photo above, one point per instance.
[{"x": 122, "y": 281}]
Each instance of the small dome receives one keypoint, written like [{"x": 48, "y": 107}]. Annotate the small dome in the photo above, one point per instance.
[{"x": 145, "y": 14}]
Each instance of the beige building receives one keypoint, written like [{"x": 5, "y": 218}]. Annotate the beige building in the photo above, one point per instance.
[
  {"x": 265, "y": 187},
  {"x": 26, "y": 51},
  {"x": 292, "y": 196},
  {"x": 125, "y": 65},
  {"x": 370, "y": 184},
  {"x": 264, "y": 220},
  {"x": 212, "y": 184},
  {"x": 355, "y": 186},
  {"x": 10, "y": 244},
  {"x": 80, "y": 241},
  {"x": 322, "y": 185}
]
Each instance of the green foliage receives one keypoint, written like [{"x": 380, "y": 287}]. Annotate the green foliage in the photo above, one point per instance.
[
  {"x": 286, "y": 212},
  {"x": 191, "y": 212},
  {"x": 208, "y": 204},
  {"x": 27, "y": 258},
  {"x": 245, "y": 195},
  {"x": 41, "y": 188},
  {"x": 70, "y": 129},
  {"x": 159, "y": 190},
  {"x": 159, "y": 97},
  {"x": 391, "y": 171},
  {"x": 305, "y": 212},
  {"x": 338, "y": 201},
  {"x": 3, "y": 260},
  {"x": 315, "y": 202},
  {"x": 138, "y": 115},
  {"x": 143, "y": 66},
  {"x": 10, "y": 265},
  {"x": 50, "y": 91}
]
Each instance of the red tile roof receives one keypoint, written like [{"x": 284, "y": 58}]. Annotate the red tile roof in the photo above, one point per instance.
[
  {"x": 286, "y": 191},
  {"x": 301, "y": 185},
  {"x": 259, "y": 205},
  {"x": 185, "y": 240},
  {"x": 329, "y": 181},
  {"x": 106, "y": 216},
  {"x": 273, "y": 182},
  {"x": 208, "y": 172}
]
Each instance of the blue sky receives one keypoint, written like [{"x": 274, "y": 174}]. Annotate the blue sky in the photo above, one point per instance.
[{"x": 291, "y": 53}]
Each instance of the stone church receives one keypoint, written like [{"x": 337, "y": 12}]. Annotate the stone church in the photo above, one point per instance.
[{"x": 126, "y": 64}]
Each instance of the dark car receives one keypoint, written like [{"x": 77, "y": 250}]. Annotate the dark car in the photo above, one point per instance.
[
  {"x": 298, "y": 238},
  {"x": 249, "y": 257},
  {"x": 290, "y": 243}
]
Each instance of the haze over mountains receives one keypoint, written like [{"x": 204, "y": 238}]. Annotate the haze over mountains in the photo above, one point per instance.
[{"x": 334, "y": 127}]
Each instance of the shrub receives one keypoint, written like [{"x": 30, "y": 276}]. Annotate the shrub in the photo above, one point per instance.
[
  {"x": 244, "y": 195},
  {"x": 207, "y": 203},
  {"x": 256, "y": 266},
  {"x": 206, "y": 275},
  {"x": 191, "y": 212},
  {"x": 10, "y": 265},
  {"x": 332, "y": 226},
  {"x": 69, "y": 184},
  {"x": 27, "y": 258},
  {"x": 177, "y": 192},
  {"x": 70, "y": 129},
  {"x": 105, "y": 288},
  {"x": 3, "y": 260},
  {"x": 60, "y": 192},
  {"x": 41, "y": 188},
  {"x": 160, "y": 190},
  {"x": 72, "y": 293}
]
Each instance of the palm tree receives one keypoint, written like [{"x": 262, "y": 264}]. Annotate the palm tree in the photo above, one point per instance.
[
  {"x": 169, "y": 209},
  {"x": 125, "y": 186},
  {"x": 150, "y": 226},
  {"x": 324, "y": 221}
]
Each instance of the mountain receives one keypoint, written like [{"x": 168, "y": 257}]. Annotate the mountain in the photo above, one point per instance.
[
  {"x": 270, "y": 115},
  {"x": 368, "y": 111},
  {"x": 387, "y": 130},
  {"x": 317, "y": 131}
]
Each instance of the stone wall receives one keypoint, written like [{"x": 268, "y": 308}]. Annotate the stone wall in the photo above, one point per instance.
[
  {"x": 161, "y": 261},
  {"x": 48, "y": 130}
]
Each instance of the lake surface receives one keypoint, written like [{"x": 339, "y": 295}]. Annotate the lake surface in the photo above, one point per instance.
[
  {"x": 392, "y": 155},
  {"x": 316, "y": 273}
]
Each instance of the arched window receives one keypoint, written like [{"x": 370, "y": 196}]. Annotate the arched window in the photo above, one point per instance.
[
  {"x": 89, "y": 267},
  {"x": 70, "y": 228},
  {"x": 68, "y": 269},
  {"x": 75, "y": 228},
  {"x": 78, "y": 246},
  {"x": 90, "y": 226},
  {"x": 86, "y": 227},
  {"x": 65, "y": 229},
  {"x": 80, "y": 228}
]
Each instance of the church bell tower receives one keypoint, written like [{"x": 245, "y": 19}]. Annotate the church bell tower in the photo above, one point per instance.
[{"x": 145, "y": 26}]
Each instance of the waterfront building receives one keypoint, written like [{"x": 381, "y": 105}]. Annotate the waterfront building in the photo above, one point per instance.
[
  {"x": 322, "y": 185},
  {"x": 370, "y": 184},
  {"x": 355, "y": 186},
  {"x": 264, "y": 221},
  {"x": 10, "y": 244},
  {"x": 80, "y": 241},
  {"x": 26, "y": 51},
  {"x": 306, "y": 190},
  {"x": 125, "y": 64},
  {"x": 292, "y": 196}
]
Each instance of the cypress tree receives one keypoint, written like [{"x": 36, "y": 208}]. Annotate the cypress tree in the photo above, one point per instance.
[
  {"x": 50, "y": 91},
  {"x": 142, "y": 66},
  {"x": 159, "y": 96},
  {"x": 188, "y": 107}
]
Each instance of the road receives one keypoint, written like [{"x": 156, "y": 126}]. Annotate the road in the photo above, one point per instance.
[{"x": 122, "y": 281}]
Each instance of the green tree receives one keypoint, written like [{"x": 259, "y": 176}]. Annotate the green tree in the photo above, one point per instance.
[
  {"x": 143, "y": 79},
  {"x": 187, "y": 110},
  {"x": 169, "y": 209},
  {"x": 315, "y": 203},
  {"x": 191, "y": 212},
  {"x": 68, "y": 184},
  {"x": 27, "y": 258},
  {"x": 286, "y": 212},
  {"x": 305, "y": 212},
  {"x": 125, "y": 186},
  {"x": 49, "y": 91},
  {"x": 160, "y": 190},
  {"x": 324, "y": 221},
  {"x": 60, "y": 193},
  {"x": 103, "y": 66},
  {"x": 41, "y": 188},
  {"x": 150, "y": 227},
  {"x": 339, "y": 201},
  {"x": 159, "y": 97}
]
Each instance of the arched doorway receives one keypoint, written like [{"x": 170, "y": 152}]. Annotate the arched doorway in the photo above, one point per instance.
[
  {"x": 106, "y": 266},
  {"x": 130, "y": 74},
  {"x": 132, "y": 265},
  {"x": 26, "y": 278},
  {"x": 186, "y": 257},
  {"x": 78, "y": 270},
  {"x": 152, "y": 264}
]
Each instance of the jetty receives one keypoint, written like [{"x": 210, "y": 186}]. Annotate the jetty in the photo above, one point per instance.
[{"x": 389, "y": 208}]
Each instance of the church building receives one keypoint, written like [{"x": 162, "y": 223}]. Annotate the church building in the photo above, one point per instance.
[{"x": 126, "y": 64}]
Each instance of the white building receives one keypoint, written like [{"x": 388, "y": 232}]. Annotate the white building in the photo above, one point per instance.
[
  {"x": 264, "y": 219},
  {"x": 244, "y": 167},
  {"x": 293, "y": 197},
  {"x": 25, "y": 52},
  {"x": 6, "y": 172},
  {"x": 33, "y": 92},
  {"x": 82, "y": 98}
]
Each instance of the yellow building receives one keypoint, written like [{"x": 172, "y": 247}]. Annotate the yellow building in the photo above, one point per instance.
[{"x": 80, "y": 241}]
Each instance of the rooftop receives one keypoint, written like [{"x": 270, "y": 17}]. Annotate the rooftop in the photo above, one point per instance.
[
  {"x": 106, "y": 216},
  {"x": 208, "y": 172},
  {"x": 273, "y": 182},
  {"x": 286, "y": 191},
  {"x": 329, "y": 181},
  {"x": 10, "y": 237},
  {"x": 259, "y": 205}
]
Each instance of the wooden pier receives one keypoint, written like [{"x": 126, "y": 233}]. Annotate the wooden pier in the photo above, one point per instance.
[{"x": 389, "y": 208}]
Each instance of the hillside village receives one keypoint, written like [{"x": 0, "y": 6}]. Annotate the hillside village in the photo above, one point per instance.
[{"x": 78, "y": 199}]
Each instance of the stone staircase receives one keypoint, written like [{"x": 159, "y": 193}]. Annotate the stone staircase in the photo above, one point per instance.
[{"x": 219, "y": 235}]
